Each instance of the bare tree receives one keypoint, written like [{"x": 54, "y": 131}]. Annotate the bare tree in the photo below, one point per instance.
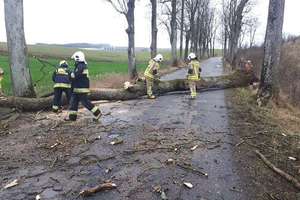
[
  {"x": 154, "y": 30},
  {"x": 253, "y": 25},
  {"x": 181, "y": 28},
  {"x": 174, "y": 31},
  {"x": 234, "y": 12},
  {"x": 269, "y": 85},
  {"x": 126, "y": 7},
  {"x": 20, "y": 73}
]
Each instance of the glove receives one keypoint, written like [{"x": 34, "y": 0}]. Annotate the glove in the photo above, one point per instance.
[
  {"x": 154, "y": 71},
  {"x": 72, "y": 75},
  {"x": 200, "y": 70},
  {"x": 190, "y": 71}
]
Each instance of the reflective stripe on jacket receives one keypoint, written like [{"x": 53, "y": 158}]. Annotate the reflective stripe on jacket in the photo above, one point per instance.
[
  {"x": 81, "y": 82},
  {"x": 195, "y": 66},
  {"x": 149, "y": 70},
  {"x": 61, "y": 78}
]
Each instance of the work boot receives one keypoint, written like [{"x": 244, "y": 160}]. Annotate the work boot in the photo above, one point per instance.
[
  {"x": 152, "y": 97},
  {"x": 193, "y": 97},
  {"x": 97, "y": 115},
  {"x": 71, "y": 118}
]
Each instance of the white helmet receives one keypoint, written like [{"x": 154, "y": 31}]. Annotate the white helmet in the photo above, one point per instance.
[
  {"x": 191, "y": 56},
  {"x": 158, "y": 58},
  {"x": 79, "y": 56}
]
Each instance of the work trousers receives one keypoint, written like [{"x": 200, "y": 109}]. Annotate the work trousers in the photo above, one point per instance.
[
  {"x": 57, "y": 101},
  {"x": 83, "y": 98},
  {"x": 193, "y": 89},
  {"x": 149, "y": 83}
]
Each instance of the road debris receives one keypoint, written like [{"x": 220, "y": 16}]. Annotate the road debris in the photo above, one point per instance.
[
  {"x": 158, "y": 189},
  {"x": 12, "y": 184},
  {"x": 99, "y": 188},
  {"x": 288, "y": 177},
  {"x": 108, "y": 170},
  {"x": 188, "y": 185},
  {"x": 188, "y": 167},
  {"x": 292, "y": 158},
  {"x": 38, "y": 197},
  {"x": 170, "y": 161},
  {"x": 117, "y": 141},
  {"x": 163, "y": 195},
  {"x": 194, "y": 147}
]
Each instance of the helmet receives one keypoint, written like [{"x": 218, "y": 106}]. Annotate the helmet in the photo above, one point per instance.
[
  {"x": 191, "y": 56},
  {"x": 63, "y": 64},
  {"x": 158, "y": 58},
  {"x": 78, "y": 56}
]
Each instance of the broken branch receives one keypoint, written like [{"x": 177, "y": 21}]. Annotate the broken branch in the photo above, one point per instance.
[
  {"x": 99, "y": 188},
  {"x": 288, "y": 177}
]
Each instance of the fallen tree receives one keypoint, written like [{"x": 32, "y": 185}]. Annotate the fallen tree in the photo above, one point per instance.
[{"x": 237, "y": 79}]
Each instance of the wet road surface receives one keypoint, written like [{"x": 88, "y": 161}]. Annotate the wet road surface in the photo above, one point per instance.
[{"x": 152, "y": 132}]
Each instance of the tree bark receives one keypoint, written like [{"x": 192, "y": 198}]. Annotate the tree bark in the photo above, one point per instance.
[
  {"x": 20, "y": 72},
  {"x": 269, "y": 86},
  {"x": 131, "y": 39},
  {"x": 187, "y": 43},
  {"x": 238, "y": 79},
  {"x": 174, "y": 32},
  {"x": 181, "y": 28},
  {"x": 154, "y": 30}
]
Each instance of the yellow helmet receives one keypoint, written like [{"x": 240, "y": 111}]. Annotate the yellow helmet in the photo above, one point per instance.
[{"x": 63, "y": 64}]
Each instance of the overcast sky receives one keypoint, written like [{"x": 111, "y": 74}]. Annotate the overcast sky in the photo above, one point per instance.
[{"x": 95, "y": 21}]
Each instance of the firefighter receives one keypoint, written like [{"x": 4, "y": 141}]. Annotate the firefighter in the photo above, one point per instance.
[
  {"x": 62, "y": 83},
  {"x": 1, "y": 77},
  {"x": 151, "y": 73},
  {"x": 193, "y": 76},
  {"x": 80, "y": 85}
]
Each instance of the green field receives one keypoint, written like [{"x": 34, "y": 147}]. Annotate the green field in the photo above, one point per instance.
[{"x": 100, "y": 64}]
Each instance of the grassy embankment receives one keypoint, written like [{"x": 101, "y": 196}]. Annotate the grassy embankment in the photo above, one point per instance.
[{"x": 102, "y": 65}]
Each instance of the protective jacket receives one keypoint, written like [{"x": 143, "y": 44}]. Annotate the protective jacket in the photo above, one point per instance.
[
  {"x": 61, "y": 78},
  {"x": 194, "y": 69},
  {"x": 81, "y": 81},
  {"x": 151, "y": 69}
]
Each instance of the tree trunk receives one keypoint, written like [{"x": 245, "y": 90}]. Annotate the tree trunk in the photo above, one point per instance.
[
  {"x": 187, "y": 42},
  {"x": 174, "y": 33},
  {"x": 20, "y": 72},
  {"x": 269, "y": 86},
  {"x": 131, "y": 40},
  {"x": 154, "y": 30},
  {"x": 238, "y": 79},
  {"x": 181, "y": 28}
]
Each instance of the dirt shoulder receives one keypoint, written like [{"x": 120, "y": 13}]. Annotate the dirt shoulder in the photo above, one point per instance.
[{"x": 275, "y": 133}]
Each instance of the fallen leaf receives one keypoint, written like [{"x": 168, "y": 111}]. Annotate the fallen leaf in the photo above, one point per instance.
[
  {"x": 188, "y": 185},
  {"x": 11, "y": 184},
  {"x": 115, "y": 142},
  {"x": 157, "y": 189}
]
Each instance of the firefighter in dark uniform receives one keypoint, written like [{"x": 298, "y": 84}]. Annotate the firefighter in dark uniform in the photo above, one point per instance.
[
  {"x": 62, "y": 83},
  {"x": 80, "y": 85}
]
